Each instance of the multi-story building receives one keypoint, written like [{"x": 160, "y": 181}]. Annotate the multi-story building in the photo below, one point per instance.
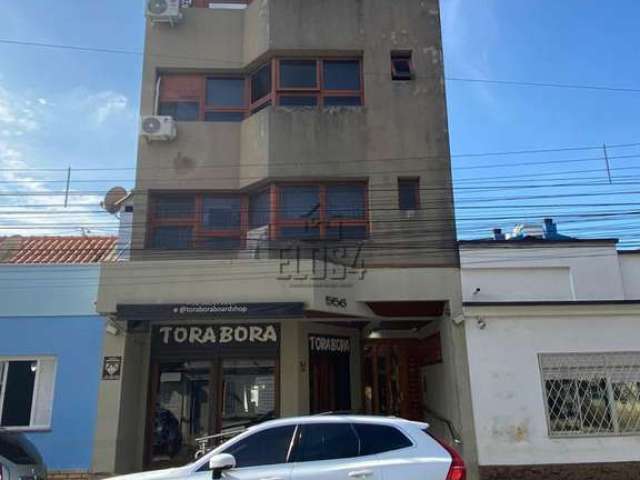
[{"x": 293, "y": 245}]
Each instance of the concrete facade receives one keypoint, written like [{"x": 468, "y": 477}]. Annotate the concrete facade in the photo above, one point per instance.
[
  {"x": 408, "y": 260},
  {"x": 400, "y": 131},
  {"x": 401, "y": 282},
  {"x": 528, "y": 298}
]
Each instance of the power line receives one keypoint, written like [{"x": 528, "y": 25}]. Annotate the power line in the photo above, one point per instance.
[
  {"x": 240, "y": 65},
  {"x": 386, "y": 159}
]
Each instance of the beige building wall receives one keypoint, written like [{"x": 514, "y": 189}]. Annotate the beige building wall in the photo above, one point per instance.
[{"x": 401, "y": 131}]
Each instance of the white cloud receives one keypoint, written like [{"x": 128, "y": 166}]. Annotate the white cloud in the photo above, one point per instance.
[
  {"x": 16, "y": 113},
  {"x": 105, "y": 105},
  {"x": 31, "y": 200}
]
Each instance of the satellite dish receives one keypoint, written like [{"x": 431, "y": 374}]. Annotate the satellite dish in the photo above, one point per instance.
[{"x": 113, "y": 199}]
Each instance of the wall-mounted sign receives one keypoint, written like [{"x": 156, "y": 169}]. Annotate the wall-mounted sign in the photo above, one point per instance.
[
  {"x": 337, "y": 302},
  {"x": 112, "y": 368},
  {"x": 211, "y": 311},
  {"x": 319, "y": 344},
  {"x": 216, "y": 339}
]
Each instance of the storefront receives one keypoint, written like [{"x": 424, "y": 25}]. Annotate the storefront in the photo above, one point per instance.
[
  {"x": 194, "y": 370},
  {"x": 208, "y": 378}
]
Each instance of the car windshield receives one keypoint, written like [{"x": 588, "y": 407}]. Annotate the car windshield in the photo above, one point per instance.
[{"x": 15, "y": 453}]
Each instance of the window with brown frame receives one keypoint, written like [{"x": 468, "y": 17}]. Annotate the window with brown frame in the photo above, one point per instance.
[
  {"x": 200, "y": 220},
  {"x": 328, "y": 82},
  {"x": 336, "y": 211},
  {"x": 296, "y": 211},
  {"x": 189, "y": 98}
]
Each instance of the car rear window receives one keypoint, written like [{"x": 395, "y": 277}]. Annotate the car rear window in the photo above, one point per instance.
[
  {"x": 380, "y": 438},
  {"x": 15, "y": 453}
]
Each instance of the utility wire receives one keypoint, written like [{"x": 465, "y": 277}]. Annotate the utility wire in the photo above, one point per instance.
[{"x": 239, "y": 65}]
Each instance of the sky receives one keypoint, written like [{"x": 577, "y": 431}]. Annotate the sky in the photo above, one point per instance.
[{"x": 66, "y": 108}]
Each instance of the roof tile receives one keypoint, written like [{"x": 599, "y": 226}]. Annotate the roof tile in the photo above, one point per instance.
[{"x": 47, "y": 250}]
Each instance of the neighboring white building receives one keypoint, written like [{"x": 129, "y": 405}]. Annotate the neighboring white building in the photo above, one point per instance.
[{"x": 553, "y": 338}]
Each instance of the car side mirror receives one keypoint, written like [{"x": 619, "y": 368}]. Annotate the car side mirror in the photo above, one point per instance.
[{"x": 219, "y": 463}]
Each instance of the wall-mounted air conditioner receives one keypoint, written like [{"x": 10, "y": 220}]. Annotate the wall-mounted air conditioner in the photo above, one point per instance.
[
  {"x": 163, "y": 11},
  {"x": 158, "y": 128}
]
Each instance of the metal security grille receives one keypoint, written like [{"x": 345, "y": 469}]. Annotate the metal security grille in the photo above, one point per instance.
[{"x": 592, "y": 393}]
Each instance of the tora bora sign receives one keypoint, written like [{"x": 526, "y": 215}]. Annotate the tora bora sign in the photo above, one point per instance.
[{"x": 216, "y": 338}]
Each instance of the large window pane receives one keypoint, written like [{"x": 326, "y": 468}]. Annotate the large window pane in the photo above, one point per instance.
[
  {"x": 380, "y": 438},
  {"x": 182, "y": 407},
  {"x": 18, "y": 393},
  {"x": 300, "y": 202},
  {"x": 261, "y": 83},
  {"x": 249, "y": 391},
  {"x": 341, "y": 75},
  {"x": 346, "y": 201},
  {"x": 298, "y": 74},
  {"x": 221, "y": 213},
  {"x": 180, "y": 111},
  {"x": 225, "y": 92},
  {"x": 260, "y": 209},
  {"x": 174, "y": 208},
  {"x": 327, "y": 441},
  {"x": 267, "y": 447},
  {"x": 172, "y": 238}
]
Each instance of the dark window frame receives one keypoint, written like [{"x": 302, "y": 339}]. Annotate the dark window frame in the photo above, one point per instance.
[
  {"x": 260, "y": 103},
  {"x": 274, "y": 93},
  {"x": 206, "y": 107},
  {"x": 415, "y": 184},
  {"x": 402, "y": 56},
  {"x": 200, "y": 232},
  {"x": 323, "y": 222},
  {"x": 319, "y": 91}
]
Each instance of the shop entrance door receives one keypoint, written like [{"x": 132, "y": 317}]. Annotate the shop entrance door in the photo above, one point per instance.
[
  {"x": 329, "y": 374},
  {"x": 182, "y": 410},
  {"x": 197, "y": 398},
  {"x": 392, "y": 383}
]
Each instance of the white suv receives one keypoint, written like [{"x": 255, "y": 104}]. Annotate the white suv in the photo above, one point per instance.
[{"x": 325, "y": 448}]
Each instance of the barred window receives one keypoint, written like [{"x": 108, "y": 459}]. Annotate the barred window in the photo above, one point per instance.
[{"x": 592, "y": 393}]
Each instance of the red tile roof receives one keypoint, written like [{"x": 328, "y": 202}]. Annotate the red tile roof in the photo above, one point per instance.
[{"x": 34, "y": 250}]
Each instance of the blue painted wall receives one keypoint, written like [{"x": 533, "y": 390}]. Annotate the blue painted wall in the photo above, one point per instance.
[{"x": 76, "y": 341}]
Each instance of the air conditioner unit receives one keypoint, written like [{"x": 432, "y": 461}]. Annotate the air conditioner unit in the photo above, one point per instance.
[
  {"x": 167, "y": 11},
  {"x": 158, "y": 128},
  {"x": 409, "y": 214}
]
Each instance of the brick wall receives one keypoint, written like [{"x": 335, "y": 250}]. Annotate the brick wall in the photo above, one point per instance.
[{"x": 587, "y": 471}]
